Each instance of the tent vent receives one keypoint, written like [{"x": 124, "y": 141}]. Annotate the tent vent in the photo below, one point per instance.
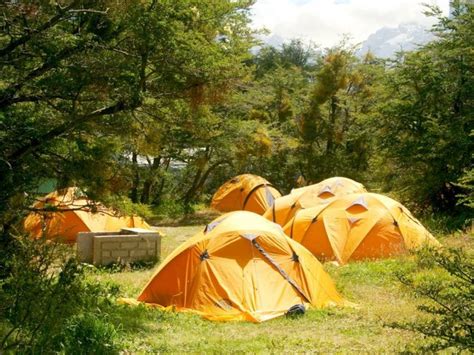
[
  {"x": 339, "y": 183},
  {"x": 315, "y": 219},
  {"x": 326, "y": 189},
  {"x": 359, "y": 202},
  {"x": 212, "y": 225},
  {"x": 353, "y": 220},
  {"x": 249, "y": 236},
  {"x": 204, "y": 255},
  {"x": 293, "y": 205},
  {"x": 295, "y": 257}
]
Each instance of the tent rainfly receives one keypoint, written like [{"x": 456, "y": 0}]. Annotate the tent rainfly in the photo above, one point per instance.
[
  {"x": 285, "y": 207},
  {"x": 241, "y": 267},
  {"x": 358, "y": 226},
  {"x": 64, "y": 213},
  {"x": 245, "y": 192}
]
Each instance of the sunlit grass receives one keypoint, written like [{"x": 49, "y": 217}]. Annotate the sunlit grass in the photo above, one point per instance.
[{"x": 380, "y": 297}]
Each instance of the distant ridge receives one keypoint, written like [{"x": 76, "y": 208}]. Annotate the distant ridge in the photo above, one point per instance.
[{"x": 387, "y": 41}]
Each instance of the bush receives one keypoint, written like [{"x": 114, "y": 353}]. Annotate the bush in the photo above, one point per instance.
[
  {"x": 439, "y": 223},
  {"x": 169, "y": 209},
  {"x": 124, "y": 206},
  {"x": 45, "y": 292},
  {"x": 88, "y": 334},
  {"x": 447, "y": 284}
]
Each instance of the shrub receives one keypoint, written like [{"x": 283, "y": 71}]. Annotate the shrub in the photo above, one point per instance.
[
  {"x": 45, "y": 292},
  {"x": 88, "y": 334},
  {"x": 447, "y": 284},
  {"x": 124, "y": 206},
  {"x": 169, "y": 209}
]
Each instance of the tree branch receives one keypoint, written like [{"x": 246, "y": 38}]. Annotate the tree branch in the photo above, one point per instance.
[
  {"x": 7, "y": 98},
  {"x": 48, "y": 24},
  {"x": 67, "y": 127}
]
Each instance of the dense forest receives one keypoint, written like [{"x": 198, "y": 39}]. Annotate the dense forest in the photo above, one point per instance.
[
  {"x": 159, "y": 101},
  {"x": 151, "y": 105}
]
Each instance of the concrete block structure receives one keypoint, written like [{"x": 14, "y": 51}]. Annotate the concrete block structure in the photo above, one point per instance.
[{"x": 127, "y": 245}]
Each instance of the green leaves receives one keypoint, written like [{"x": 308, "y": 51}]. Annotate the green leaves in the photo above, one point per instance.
[
  {"x": 450, "y": 298},
  {"x": 426, "y": 118}
]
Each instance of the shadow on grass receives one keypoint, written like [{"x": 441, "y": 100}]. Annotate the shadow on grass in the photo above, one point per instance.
[{"x": 193, "y": 219}]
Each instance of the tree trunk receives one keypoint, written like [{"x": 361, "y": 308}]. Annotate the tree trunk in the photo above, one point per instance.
[
  {"x": 331, "y": 127},
  {"x": 149, "y": 183},
  {"x": 136, "y": 178}
]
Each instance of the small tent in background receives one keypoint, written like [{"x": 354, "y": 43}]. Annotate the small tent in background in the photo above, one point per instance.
[
  {"x": 245, "y": 192},
  {"x": 358, "y": 226},
  {"x": 335, "y": 186},
  {"x": 285, "y": 207},
  {"x": 241, "y": 267},
  {"x": 69, "y": 213}
]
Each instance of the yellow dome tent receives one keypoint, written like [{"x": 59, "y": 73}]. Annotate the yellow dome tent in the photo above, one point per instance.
[
  {"x": 334, "y": 186},
  {"x": 241, "y": 267},
  {"x": 245, "y": 192},
  {"x": 70, "y": 214},
  {"x": 285, "y": 207},
  {"x": 358, "y": 226}
]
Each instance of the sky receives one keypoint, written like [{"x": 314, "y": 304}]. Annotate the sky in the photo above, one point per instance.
[{"x": 325, "y": 22}]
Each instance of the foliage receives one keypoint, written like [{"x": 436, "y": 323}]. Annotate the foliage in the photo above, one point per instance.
[
  {"x": 87, "y": 334},
  {"x": 446, "y": 223},
  {"x": 147, "y": 102},
  {"x": 426, "y": 116},
  {"x": 169, "y": 209},
  {"x": 466, "y": 182},
  {"x": 450, "y": 296},
  {"x": 87, "y": 86},
  {"x": 163, "y": 100},
  {"x": 46, "y": 303},
  {"x": 123, "y": 205},
  {"x": 336, "y": 125}
]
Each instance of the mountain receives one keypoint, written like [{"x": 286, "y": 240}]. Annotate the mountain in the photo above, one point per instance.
[{"x": 386, "y": 41}]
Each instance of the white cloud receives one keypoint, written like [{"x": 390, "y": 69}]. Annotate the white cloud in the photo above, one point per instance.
[{"x": 324, "y": 22}]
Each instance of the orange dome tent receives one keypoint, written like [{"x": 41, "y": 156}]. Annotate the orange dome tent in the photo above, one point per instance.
[
  {"x": 245, "y": 192},
  {"x": 285, "y": 207},
  {"x": 358, "y": 226},
  {"x": 334, "y": 186},
  {"x": 70, "y": 214},
  {"x": 241, "y": 267}
]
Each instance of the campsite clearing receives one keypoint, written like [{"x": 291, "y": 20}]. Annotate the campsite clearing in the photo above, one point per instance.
[{"x": 371, "y": 284}]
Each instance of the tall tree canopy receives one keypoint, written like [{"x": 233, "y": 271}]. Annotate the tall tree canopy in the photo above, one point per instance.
[
  {"x": 427, "y": 116},
  {"x": 78, "y": 76},
  {"x": 159, "y": 100}
]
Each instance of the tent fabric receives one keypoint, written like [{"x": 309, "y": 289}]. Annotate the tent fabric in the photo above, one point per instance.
[
  {"x": 334, "y": 186},
  {"x": 245, "y": 192},
  {"x": 71, "y": 213},
  {"x": 285, "y": 207},
  {"x": 358, "y": 226},
  {"x": 243, "y": 268}
]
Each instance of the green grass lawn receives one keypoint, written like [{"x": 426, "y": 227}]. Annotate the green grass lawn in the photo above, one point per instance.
[{"x": 372, "y": 285}]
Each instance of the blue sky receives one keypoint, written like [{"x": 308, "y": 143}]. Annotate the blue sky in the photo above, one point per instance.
[{"x": 324, "y": 22}]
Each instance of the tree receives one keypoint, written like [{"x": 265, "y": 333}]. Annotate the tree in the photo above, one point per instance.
[
  {"x": 79, "y": 75},
  {"x": 335, "y": 128},
  {"x": 449, "y": 296},
  {"x": 426, "y": 117}
]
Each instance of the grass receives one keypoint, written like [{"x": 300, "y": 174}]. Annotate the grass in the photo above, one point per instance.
[{"x": 380, "y": 297}]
